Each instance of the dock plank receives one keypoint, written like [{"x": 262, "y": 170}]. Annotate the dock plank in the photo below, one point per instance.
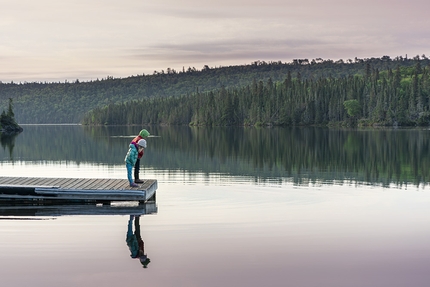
[
  {"x": 13, "y": 181},
  {"x": 52, "y": 182},
  {"x": 72, "y": 183},
  {"x": 92, "y": 184},
  {"x": 4, "y": 179},
  {"x": 66, "y": 182},
  {"x": 119, "y": 185},
  {"x": 85, "y": 184},
  {"x": 108, "y": 184},
  {"x": 116, "y": 184},
  {"x": 79, "y": 183},
  {"x": 122, "y": 185},
  {"x": 29, "y": 181},
  {"x": 87, "y": 189}
]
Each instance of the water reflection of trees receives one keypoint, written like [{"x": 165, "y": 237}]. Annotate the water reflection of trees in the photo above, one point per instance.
[
  {"x": 300, "y": 154},
  {"x": 8, "y": 143}
]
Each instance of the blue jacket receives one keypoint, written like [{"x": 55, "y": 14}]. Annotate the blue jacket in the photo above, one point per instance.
[{"x": 131, "y": 156}]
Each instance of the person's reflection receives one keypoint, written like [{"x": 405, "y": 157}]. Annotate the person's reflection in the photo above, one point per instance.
[{"x": 135, "y": 242}]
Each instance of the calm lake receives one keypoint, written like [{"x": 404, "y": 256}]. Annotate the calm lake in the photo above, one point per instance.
[{"x": 234, "y": 207}]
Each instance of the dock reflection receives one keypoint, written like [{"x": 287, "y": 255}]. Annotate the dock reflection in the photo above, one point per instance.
[{"x": 122, "y": 208}]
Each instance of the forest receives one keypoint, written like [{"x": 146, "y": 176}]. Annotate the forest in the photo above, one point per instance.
[
  {"x": 391, "y": 97},
  {"x": 301, "y": 92}
]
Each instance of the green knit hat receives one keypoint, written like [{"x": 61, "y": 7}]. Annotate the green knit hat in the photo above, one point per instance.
[{"x": 144, "y": 133}]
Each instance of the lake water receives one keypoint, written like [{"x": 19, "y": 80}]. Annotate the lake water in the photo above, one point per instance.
[{"x": 234, "y": 207}]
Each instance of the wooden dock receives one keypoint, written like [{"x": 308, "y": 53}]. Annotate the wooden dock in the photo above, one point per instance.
[{"x": 73, "y": 190}]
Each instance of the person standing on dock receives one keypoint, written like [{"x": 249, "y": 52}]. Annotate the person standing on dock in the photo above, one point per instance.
[
  {"x": 143, "y": 134},
  {"x": 131, "y": 158}
]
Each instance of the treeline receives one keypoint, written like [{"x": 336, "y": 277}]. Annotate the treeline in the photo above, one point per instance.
[
  {"x": 389, "y": 97},
  {"x": 68, "y": 102}
]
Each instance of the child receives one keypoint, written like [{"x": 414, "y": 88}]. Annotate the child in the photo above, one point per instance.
[
  {"x": 131, "y": 158},
  {"x": 143, "y": 134}
]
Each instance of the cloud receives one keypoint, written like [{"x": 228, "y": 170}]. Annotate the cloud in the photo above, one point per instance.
[{"x": 47, "y": 39}]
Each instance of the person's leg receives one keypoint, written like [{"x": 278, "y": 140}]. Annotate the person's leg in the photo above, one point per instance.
[
  {"x": 137, "y": 227},
  {"x": 136, "y": 171},
  {"x": 130, "y": 227},
  {"x": 129, "y": 168}
]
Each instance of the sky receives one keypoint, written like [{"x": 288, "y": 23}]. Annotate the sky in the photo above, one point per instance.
[{"x": 57, "y": 41}]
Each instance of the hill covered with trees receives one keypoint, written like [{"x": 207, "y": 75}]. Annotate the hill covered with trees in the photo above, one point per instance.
[
  {"x": 69, "y": 102},
  {"x": 388, "y": 97}
]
